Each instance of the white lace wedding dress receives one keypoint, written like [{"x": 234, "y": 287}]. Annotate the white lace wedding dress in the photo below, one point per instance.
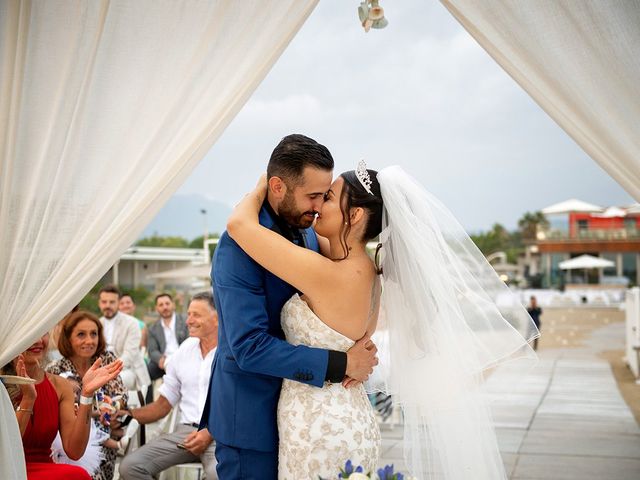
[{"x": 321, "y": 428}]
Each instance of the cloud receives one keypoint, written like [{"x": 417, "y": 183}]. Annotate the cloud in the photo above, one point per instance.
[
  {"x": 420, "y": 93},
  {"x": 281, "y": 110}
]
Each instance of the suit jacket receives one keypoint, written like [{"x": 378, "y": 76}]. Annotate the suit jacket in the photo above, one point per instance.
[
  {"x": 253, "y": 357},
  {"x": 126, "y": 343},
  {"x": 156, "y": 343}
]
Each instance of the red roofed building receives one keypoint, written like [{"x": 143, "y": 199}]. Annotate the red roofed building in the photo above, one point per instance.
[{"x": 577, "y": 228}]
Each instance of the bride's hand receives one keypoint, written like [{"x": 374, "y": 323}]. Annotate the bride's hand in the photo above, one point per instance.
[
  {"x": 349, "y": 382},
  {"x": 256, "y": 196},
  {"x": 262, "y": 183},
  {"x": 245, "y": 214},
  {"x": 261, "y": 188}
]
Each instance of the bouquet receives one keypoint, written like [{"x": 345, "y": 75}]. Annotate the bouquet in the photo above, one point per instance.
[
  {"x": 357, "y": 473},
  {"x": 108, "y": 406}
]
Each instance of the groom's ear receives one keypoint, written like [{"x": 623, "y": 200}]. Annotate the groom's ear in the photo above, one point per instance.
[{"x": 277, "y": 187}]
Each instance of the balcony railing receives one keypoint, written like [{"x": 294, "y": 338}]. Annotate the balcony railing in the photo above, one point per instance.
[{"x": 594, "y": 234}]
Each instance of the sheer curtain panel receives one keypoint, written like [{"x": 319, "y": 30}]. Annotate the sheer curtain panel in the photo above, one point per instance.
[
  {"x": 580, "y": 61},
  {"x": 105, "y": 109}
]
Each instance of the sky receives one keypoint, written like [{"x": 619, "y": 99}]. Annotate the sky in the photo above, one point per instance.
[{"x": 421, "y": 94}]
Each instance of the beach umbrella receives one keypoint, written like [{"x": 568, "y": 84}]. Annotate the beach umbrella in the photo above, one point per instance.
[{"x": 586, "y": 262}]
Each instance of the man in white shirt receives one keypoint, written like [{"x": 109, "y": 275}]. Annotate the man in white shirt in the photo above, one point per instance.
[
  {"x": 165, "y": 335},
  {"x": 122, "y": 334},
  {"x": 185, "y": 386}
]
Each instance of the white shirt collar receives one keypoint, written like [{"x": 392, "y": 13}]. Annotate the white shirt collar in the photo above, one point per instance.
[{"x": 172, "y": 323}]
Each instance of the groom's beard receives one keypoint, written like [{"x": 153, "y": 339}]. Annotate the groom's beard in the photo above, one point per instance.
[{"x": 292, "y": 215}]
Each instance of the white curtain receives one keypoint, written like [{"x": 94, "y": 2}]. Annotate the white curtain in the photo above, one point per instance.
[
  {"x": 105, "y": 108},
  {"x": 580, "y": 61}
]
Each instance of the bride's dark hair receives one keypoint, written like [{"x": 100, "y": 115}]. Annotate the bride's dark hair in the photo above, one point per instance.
[{"x": 354, "y": 195}]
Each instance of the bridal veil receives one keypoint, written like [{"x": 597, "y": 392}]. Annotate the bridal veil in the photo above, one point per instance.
[{"x": 450, "y": 319}]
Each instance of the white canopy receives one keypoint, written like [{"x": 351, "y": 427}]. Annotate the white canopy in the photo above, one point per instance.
[
  {"x": 573, "y": 205},
  {"x": 580, "y": 61},
  {"x": 585, "y": 261},
  {"x": 106, "y": 107}
]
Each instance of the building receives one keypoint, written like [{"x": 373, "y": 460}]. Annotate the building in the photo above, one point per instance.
[
  {"x": 577, "y": 228},
  {"x": 140, "y": 266}
]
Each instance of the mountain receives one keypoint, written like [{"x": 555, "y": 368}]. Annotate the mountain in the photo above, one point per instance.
[{"x": 181, "y": 216}]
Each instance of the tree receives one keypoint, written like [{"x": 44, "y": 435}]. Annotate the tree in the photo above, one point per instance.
[
  {"x": 158, "y": 241},
  {"x": 495, "y": 240},
  {"x": 141, "y": 296},
  {"x": 499, "y": 239},
  {"x": 529, "y": 223},
  {"x": 198, "y": 242},
  {"x": 499, "y": 234}
]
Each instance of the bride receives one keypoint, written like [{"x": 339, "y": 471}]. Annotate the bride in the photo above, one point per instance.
[{"x": 445, "y": 327}]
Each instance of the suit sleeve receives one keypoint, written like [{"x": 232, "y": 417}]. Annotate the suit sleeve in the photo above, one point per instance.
[
  {"x": 182, "y": 332},
  {"x": 153, "y": 347},
  {"x": 131, "y": 345},
  {"x": 239, "y": 286}
]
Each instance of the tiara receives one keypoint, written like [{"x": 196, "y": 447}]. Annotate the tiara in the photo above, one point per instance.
[{"x": 363, "y": 176}]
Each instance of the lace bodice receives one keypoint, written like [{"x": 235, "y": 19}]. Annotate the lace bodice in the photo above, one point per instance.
[
  {"x": 321, "y": 428},
  {"x": 303, "y": 327}
]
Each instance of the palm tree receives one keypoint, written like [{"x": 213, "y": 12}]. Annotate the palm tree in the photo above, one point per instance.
[
  {"x": 529, "y": 223},
  {"x": 496, "y": 239}
]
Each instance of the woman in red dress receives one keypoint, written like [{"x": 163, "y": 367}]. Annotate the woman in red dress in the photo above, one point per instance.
[{"x": 47, "y": 406}]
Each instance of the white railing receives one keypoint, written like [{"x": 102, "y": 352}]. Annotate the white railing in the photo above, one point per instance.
[
  {"x": 632, "y": 345},
  {"x": 575, "y": 298}
]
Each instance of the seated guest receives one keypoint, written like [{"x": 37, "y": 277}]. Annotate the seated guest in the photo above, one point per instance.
[
  {"x": 122, "y": 335},
  {"x": 128, "y": 306},
  {"x": 165, "y": 335},
  {"x": 185, "y": 387},
  {"x": 46, "y": 407},
  {"x": 81, "y": 343}
]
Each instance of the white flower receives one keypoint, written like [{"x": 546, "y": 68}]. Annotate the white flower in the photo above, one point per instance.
[{"x": 358, "y": 476}]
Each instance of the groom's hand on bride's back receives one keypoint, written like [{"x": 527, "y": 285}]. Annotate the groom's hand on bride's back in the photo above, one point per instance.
[{"x": 361, "y": 358}]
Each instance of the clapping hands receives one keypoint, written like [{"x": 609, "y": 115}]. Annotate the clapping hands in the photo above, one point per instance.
[
  {"x": 28, "y": 390},
  {"x": 98, "y": 376}
]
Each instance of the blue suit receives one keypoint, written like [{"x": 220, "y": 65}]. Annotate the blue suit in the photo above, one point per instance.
[{"x": 252, "y": 358}]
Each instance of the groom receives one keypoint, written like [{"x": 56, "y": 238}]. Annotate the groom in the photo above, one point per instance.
[{"x": 253, "y": 357}]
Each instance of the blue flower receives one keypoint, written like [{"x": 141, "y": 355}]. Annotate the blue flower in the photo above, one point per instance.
[
  {"x": 348, "y": 470},
  {"x": 386, "y": 473}
]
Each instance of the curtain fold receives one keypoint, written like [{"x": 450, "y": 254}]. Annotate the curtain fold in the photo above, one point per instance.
[
  {"x": 105, "y": 109},
  {"x": 580, "y": 61}
]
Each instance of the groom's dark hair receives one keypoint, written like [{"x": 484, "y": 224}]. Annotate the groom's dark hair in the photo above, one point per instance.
[{"x": 293, "y": 154}]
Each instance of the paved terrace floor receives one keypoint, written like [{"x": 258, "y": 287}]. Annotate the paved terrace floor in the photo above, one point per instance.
[{"x": 564, "y": 421}]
